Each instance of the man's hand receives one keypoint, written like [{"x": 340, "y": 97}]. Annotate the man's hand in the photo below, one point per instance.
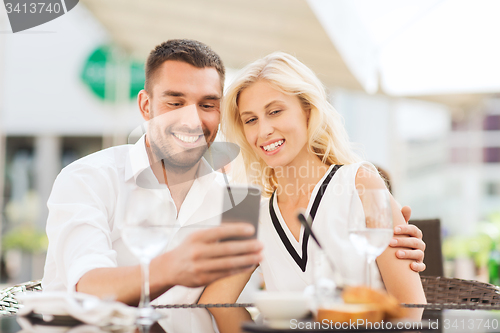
[
  {"x": 202, "y": 258},
  {"x": 413, "y": 247},
  {"x": 197, "y": 261}
]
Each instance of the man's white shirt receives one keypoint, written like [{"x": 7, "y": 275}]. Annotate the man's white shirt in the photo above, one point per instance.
[{"x": 86, "y": 215}]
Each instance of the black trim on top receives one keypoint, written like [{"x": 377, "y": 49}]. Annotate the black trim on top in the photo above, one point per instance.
[{"x": 302, "y": 262}]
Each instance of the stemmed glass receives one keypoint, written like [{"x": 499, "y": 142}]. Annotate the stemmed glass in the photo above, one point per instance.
[
  {"x": 146, "y": 233},
  {"x": 370, "y": 224}
]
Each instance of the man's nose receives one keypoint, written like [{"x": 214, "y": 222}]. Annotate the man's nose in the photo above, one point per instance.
[{"x": 189, "y": 117}]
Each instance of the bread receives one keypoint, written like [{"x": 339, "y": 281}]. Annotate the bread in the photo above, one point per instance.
[
  {"x": 351, "y": 313},
  {"x": 364, "y": 295},
  {"x": 363, "y": 303}
]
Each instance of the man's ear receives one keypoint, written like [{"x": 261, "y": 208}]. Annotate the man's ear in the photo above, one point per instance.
[{"x": 144, "y": 102}]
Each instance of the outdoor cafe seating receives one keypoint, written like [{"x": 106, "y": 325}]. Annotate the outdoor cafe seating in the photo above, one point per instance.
[{"x": 442, "y": 293}]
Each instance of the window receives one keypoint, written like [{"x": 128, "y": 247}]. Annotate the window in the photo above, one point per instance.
[
  {"x": 491, "y": 155},
  {"x": 492, "y": 122}
]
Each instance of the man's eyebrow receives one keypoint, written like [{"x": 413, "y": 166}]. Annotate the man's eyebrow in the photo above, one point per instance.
[
  {"x": 212, "y": 97},
  {"x": 172, "y": 93}
]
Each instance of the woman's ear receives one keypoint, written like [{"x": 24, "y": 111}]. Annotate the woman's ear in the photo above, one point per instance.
[
  {"x": 308, "y": 114},
  {"x": 306, "y": 106}
]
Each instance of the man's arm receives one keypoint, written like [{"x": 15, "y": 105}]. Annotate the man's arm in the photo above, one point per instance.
[
  {"x": 411, "y": 247},
  {"x": 80, "y": 237},
  {"x": 81, "y": 256},
  {"x": 198, "y": 261}
]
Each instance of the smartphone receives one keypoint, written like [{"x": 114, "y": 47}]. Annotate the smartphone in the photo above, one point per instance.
[{"x": 241, "y": 204}]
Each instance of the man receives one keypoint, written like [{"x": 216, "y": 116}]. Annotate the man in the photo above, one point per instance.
[
  {"x": 181, "y": 99},
  {"x": 86, "y": 252}
]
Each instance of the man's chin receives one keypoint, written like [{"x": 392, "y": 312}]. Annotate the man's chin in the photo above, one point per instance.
[
  {"x": 176, "y": 153},
  {"x": 184, "y": 161},
  {"x": 179, "y": 167}
]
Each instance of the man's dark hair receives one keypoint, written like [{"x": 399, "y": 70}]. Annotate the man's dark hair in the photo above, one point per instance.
[{"x": 189, "y": 51}]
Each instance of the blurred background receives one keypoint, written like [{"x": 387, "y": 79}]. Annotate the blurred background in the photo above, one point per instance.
[{"x": 418, "y": 84}]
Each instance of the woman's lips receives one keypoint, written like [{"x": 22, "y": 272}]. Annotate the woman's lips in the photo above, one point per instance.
[{"x": 272, "y": 147}]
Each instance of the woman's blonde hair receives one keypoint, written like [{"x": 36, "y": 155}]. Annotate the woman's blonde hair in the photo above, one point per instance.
[{"x": 327, "y": 137}]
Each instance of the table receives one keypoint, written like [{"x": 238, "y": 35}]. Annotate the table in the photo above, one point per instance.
[
  {"x": 183, "y": 320},
  {"x": 447, "y": 321}
]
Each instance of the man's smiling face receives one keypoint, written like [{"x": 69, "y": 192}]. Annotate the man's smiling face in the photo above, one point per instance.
[{"x": 183, "y": 110}]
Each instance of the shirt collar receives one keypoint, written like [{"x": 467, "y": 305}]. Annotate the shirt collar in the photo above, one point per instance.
[
  {"x": 138, "y": 160},
  {"x": 206, "y": 174}
]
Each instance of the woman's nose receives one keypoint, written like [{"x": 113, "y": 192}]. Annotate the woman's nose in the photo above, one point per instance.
[{"x": 265, "y": 129}]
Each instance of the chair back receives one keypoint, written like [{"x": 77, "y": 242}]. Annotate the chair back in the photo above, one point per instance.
[
  {"x": 458, "y": 293},
  {"x": 433, "y": 259},
  {"x": 8, "y": 302}
]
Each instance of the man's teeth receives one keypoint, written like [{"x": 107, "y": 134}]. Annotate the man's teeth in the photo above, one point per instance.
[
  {"x": 187, "y": 138},
  {"x": 273, "y": 146}
]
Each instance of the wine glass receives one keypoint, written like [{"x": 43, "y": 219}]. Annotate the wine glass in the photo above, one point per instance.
[
  {"x": 146, "y": 232},
  {"x": 370, "y": 224}
]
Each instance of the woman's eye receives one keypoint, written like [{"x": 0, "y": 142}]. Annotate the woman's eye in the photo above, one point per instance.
[
  {"x": 274, "y": 112},
  {"x": 249, "y": 121}
]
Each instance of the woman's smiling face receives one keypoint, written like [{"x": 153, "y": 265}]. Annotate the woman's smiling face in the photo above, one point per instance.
[{"x": 275, "y": 124}]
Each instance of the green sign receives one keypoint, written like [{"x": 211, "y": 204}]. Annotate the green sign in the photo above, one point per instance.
[{"x": 102, "y": 72}]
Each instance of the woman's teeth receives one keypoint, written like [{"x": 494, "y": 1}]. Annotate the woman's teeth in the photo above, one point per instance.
[
  {"x": 273, "y": 146},
  {"x": 187, "y": 138}
]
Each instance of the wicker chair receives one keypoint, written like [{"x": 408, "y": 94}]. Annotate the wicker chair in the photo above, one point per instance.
[
  {"x": 433, "y": 259},
  {"x": 441, "y": 293},
  {"x": 451, "y": 293},
  {"x": 8, "y": 302}
]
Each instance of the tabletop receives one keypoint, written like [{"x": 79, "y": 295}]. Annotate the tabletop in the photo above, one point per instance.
[
  {"x": 187, "y": 320},
  {"x": 183, "y": 320},
  {"x": 452, "y": 321}
]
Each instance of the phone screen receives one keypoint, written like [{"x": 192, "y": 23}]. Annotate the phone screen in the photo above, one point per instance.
[{"x": 241, "y": 204}]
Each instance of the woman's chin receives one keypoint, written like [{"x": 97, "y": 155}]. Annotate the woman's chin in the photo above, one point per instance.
[
  {"x": 278, "y": 160},
  {"x": 275, "y": 162}
]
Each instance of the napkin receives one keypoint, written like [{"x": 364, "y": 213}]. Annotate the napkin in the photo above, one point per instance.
[
  {"x": 86, "y": 308},
  {"x": 28, "y": 327}
]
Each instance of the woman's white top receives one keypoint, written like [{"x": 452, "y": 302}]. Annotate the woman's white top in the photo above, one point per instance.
[{"x": 288, "y": 263}]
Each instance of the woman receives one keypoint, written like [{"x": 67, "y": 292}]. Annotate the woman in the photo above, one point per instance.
[{"x": 295, "y": 147}]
